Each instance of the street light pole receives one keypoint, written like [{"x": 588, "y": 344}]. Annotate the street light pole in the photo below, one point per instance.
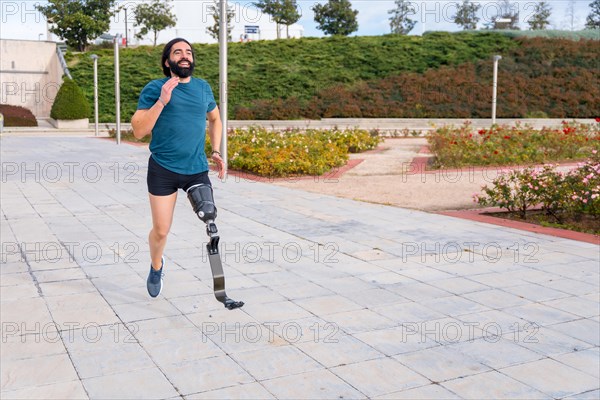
[
  {"x": 117, "y": 89},
  {"x": 223, "y": 77},
  {"x": 495, "y": 87},
  {"x": 95, "y": 58},
  {"x": 126, "y": 35}
]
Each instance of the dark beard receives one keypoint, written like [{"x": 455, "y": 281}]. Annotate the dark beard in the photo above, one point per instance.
[{"x": 179, "y": 71}]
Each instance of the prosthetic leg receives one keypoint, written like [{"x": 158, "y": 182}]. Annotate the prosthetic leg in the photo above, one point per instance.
[{"x": 201, "y": 197}]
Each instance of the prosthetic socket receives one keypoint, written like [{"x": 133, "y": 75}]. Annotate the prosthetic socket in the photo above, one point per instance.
[{"x": 201, "y": 198}]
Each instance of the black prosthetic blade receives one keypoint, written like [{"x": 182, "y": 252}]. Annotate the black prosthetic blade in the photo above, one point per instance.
[{"x": 219, "y": 281}]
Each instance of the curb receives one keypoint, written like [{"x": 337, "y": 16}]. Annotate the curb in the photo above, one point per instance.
[{"x": 478, "y": 215}]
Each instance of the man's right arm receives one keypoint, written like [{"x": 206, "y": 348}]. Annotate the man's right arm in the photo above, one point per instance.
[{"x": 143, "y": 121}]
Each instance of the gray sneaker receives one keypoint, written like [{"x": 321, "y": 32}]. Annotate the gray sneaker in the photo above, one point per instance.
[{"x": 154, "y": 282}]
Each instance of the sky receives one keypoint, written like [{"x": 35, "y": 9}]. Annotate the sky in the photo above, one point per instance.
[{"x": 20, "y": 20}]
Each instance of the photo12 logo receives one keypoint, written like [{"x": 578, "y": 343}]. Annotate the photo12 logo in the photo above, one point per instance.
[
  {"x": 69, "y": 252},
  {"x": 289, "y": 252},
  {"x": 253, "y": 332},
  {"x": 68, "y": 332},
  {"x": 70, "y": 171}
]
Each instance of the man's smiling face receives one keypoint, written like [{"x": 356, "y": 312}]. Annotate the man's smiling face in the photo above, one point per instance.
[{"x": 181, "y": 60}]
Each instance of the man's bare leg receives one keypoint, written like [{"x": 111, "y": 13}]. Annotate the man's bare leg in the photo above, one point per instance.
[{"x": 162, "y": 218}]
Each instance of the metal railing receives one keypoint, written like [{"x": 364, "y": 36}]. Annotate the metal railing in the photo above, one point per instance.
[{"x": 61, "y": 49}]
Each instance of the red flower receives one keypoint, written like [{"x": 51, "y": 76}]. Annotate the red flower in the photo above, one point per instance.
[
  {"x": 568, "y": 130},
  {"x": 598, "y": 119},
  {"x": 481, "y": 131},
  {"x": 507, "y": 137},
  {"x": 495, "y": 151}
]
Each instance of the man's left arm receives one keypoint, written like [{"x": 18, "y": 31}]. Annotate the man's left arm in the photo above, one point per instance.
[{"x": 215, "y": 127}]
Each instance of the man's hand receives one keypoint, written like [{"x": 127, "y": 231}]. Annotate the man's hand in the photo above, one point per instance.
[
  {"x": 216, "y": 157},
  {"x": 167, "y": 89}
]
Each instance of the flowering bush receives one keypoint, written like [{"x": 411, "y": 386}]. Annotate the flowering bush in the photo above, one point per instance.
[
  {"x": 559, "y": 194},
  {"x": 503, "y": 145},
  {"x": 294, "y": 152}
]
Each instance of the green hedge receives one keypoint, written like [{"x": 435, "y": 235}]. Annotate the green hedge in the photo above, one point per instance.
[
  {"x": 404, "y": 76},
  {"x": 289, "y": 68},
  {"x": 70, "y": 102},
  {"x": 558, "y": 78}
]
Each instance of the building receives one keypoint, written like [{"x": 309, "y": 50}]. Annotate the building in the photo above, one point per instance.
[{"x": 26, "y": 81}]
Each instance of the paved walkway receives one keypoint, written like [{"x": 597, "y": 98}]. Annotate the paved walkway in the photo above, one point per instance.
[{"x": 344, "y": 299}]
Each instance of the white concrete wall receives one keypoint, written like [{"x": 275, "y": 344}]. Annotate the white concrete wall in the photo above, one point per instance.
[{"x": 30, "y": 75}]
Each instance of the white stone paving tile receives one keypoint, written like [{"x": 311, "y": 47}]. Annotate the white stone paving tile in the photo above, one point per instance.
[
  {"x": 143, "y": 384},
  {"x": 552, "y": 378},
  {"x": 56, "y": 391},
  {"x": 275, "y": 362},
  {"x": 492, "y": 385},
  {"x": 248, "y": 391},
  {"x": 440, "y": 364},
  {"x": 587, "y": 361},
  {"x": 340, "y": 350},
  {"x": 373, "y": 377},
  {"x": 24, "y": 373},
  {"x": 319, "y": 384},
  {"x": 206, "y": 374}
]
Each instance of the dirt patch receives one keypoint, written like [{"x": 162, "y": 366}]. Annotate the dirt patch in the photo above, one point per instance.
[{"x": 389, "y": 176}]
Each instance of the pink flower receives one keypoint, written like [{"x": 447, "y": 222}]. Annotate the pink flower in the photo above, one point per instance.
[{"x": 585, "y": 201}]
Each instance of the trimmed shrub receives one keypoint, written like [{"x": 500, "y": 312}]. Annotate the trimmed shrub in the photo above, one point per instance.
[
  {"x": 17, "y": 116},
  {"x": 70, "y": 102}
]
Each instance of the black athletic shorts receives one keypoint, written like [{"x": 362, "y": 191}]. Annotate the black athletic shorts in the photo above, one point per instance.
[{"x": 162, "y": 182}]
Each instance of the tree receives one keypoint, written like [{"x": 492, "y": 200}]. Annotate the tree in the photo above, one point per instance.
[
  {"x": 336, "y": 17},
  {"x": 215, "y": 9},
  {"x": 270, "y": 7},
  {"x": 466, "y": 15},
  {"x": 539, "y": 19},
  {"x": 507, "y": 13},
  {"x": 283, "y": 12},
  {"x": 78, "y": 21},
  {"x": 400, "y": 22},
  {"x": 288, "y": 14},
  {"x": 593, "y": 19},
  {"x": 153, "y": 17}
]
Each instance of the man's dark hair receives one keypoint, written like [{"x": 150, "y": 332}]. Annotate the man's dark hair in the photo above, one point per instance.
[{"x": 167, "y": 52}]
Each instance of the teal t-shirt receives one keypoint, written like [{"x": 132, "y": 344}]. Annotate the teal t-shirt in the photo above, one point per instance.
[{"x": 179, "y": 133}]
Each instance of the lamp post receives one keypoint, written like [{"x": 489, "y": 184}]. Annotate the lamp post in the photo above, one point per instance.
[
  {"x": 223, "y": 77},
  {"x": 117, "y": 89},
  {"x": 126, "y": 34},
  {"x": 95, "y": 58},
  {"x": 495, "y": 87}
]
